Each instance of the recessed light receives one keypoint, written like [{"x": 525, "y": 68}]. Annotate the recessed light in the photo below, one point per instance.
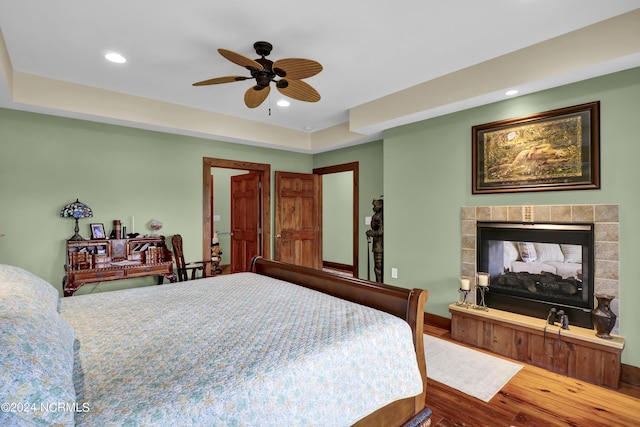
[
  {"x": 308, "y": 128},
  {"x": 283, "y": 103},
  {"x": 115, "y": 57},
  {"x": 511, "y": 92}
]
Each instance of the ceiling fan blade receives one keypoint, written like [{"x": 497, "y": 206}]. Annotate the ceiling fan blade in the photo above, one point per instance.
[
  {"x": 254, "y": 97},
  {"x": 302, "y": 91},
  {"x": 298, "y": 68},
  {"x": 218, "y": 80},
  {"x": 241, "y": 60}
]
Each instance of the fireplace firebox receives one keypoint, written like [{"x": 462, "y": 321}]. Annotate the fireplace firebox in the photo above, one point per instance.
[{"x": 537, "y": 267}]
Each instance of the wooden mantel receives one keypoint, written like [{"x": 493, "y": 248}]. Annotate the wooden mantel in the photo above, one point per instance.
[{"x": 575, "y": 352}]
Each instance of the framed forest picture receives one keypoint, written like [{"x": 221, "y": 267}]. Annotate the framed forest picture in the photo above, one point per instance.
[{"x": 553, "y": 150}]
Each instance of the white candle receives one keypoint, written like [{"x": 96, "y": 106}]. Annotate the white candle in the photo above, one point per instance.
[
  {"x": 483, "y": 280},
  {"x": 464, "y": 284},
  {"x": 133, "y": 224}
]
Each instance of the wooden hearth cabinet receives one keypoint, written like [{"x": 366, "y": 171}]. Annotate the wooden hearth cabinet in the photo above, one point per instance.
[
  {"x": 102, "y": 260},
  {"x": 576, "y": 352}
]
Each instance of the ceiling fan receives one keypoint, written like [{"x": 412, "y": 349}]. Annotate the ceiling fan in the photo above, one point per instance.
[{"x": 290, "y": 72}]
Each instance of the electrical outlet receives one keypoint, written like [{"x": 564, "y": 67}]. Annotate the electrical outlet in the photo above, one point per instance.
[
  {"x": 367, "y": 220},
  {"x": 394, "y": 273},
  {"x": 216, "y": 218}
]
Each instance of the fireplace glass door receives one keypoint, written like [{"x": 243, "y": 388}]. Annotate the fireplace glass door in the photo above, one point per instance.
[{"x": 536, "y": 267}]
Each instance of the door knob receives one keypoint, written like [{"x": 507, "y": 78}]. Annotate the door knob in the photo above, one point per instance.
[{"x": 278, "y": 236}]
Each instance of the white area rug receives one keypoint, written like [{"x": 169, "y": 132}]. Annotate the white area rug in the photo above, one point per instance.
[{"x": 472, "y": 372}]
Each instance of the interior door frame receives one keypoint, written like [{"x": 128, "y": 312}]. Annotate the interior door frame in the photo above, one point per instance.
[
  {"x": 346, "y": 167},
  {"x": 264, "y": 170}
]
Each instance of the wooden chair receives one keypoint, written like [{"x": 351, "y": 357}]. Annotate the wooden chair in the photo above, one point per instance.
[{"x": 184, "y": 267}]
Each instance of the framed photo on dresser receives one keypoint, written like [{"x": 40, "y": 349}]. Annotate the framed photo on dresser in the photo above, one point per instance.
[{"x": 97, "y": 231}]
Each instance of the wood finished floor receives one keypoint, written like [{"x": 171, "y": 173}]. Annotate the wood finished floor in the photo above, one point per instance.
[{"x": 534, "y": 397}]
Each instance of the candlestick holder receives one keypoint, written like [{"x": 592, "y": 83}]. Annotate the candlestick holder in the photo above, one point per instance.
[
  {"x": 483, "y": 304},
  {"x": 463, "y": 298},
  {"x": 482, "y": 284}
]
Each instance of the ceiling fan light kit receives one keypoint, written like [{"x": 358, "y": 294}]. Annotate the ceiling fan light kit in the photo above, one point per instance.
[{"x": 289, "y": 71}]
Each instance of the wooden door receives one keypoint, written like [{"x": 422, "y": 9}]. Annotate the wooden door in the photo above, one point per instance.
[
  {"x": 298, "y": 219},
  {"x": 245, "y": 220}
]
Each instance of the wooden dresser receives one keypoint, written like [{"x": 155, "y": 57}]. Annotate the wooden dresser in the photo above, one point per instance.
[
  {"x": 576, "y": 352},
  {"x": 102, "y": 260}
]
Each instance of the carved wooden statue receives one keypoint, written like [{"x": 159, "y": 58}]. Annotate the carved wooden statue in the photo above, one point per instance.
[{"x": 375, "y": 234}]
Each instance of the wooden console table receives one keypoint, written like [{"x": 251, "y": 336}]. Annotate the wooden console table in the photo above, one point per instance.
[
  {"x": 576, "y": 352},
  {"x": 91, "y": 261}
]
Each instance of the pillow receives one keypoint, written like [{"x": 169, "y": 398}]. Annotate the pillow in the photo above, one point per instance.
[
  {"x": 510, "y": 253},
  {"x": 527, "y": 251},
  {"x": 36, "y": 366},
  {"x": 549, "y": 252},
  {"x": 572, "y": 253},
  {"x": 30, "y": 289}
]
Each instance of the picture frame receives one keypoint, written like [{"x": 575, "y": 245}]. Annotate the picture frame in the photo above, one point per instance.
[
  {"x": 118, "y": 249},
  {"x": 552, "y": 150},
  {"x": 97, "y": 231}
]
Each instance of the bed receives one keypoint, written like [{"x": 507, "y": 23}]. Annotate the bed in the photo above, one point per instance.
[{"x": 279, "y": 345}]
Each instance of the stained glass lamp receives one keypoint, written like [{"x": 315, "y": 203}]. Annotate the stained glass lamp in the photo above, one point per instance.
[{"x": 76, "y": 210}]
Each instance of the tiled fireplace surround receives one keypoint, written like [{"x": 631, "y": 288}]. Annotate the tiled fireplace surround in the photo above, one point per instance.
[{"x": 606, "y": 226}]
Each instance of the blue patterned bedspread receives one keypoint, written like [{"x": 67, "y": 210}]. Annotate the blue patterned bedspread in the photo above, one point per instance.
[{"x": 235, "y": 350}]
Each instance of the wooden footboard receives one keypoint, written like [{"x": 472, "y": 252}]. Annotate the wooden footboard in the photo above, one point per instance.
[{"x": 407, "y": 304}]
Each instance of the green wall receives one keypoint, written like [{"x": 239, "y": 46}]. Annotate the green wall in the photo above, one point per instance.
[
  {"x": 370, "y": 171},
  {"x": 337, "y": 217},
  {"x": 427, "y": 179},
  {"x": 47, "y": 162}
]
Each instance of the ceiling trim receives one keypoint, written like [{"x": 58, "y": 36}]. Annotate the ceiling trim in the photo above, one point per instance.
[
  {"x": 5, "y": 63},
  {"x": 29, "y": 89}
]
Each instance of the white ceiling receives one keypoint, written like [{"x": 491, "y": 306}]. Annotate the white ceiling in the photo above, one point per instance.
[{"x": 374, "y": 55}]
